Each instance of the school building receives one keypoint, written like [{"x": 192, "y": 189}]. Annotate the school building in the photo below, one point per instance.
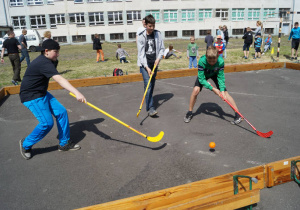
[{"x": 76, "y": 21}]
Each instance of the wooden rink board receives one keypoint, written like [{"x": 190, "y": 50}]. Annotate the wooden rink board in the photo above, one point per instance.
[{"x": 212, "y": 193}]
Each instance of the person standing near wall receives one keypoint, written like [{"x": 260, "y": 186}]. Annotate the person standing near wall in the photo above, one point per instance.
[
  {"x": 24, "y": 52},
  {"x": 295, "y": 35},
  {"x": 13, "y": 46}
]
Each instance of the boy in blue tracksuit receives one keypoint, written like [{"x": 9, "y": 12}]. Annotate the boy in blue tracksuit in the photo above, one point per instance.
[
  {"x": 257, "y": 45},
  {"x": 295, "y": 35}
]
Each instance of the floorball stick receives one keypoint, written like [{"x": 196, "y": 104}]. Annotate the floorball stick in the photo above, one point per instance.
[
  {"x": 149, "y": 138},
  {"x": 137, "y": 115}
]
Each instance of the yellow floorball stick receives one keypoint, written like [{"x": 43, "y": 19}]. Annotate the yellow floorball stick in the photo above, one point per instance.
[
  {"x": 137, "y": 115},
  {"x": 149, "y": 138}
]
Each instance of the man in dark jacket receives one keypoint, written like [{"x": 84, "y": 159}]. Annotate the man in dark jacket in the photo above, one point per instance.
[
  {"x": 13, "y": 46},
  {"x": 248, "y": 39},
  {"x": 209, "y": 39},
  {"x": 24, "y": 52},
  {"x": 97, "y": 46}
]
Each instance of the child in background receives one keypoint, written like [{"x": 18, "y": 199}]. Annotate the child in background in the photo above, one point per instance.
[
  {"x": 170, "y": 51},
  {"x": 257, "y": 45},
  {"x": 209, "y": 39},
  {"x": 268, "y": 42},
  {"x": 248, "y": 40},
  {"x": 121, "y": 53},
  {"x": 98, "y": 47},
  {"x": 192, "y": 53},
  {"x": 219, "y": 45}
]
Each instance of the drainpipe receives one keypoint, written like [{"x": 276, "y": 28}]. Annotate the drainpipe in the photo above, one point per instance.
[{"x": 5, "y": 12}]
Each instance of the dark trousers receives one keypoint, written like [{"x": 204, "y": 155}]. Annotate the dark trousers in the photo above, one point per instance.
[{"x": 15, "y": 62}]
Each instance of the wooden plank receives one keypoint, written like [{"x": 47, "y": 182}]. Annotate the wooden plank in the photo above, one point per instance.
[
  {"x": 270, "y": 172},
  {"x": 2, "y": 93},
  {"x": 233, "y": 202},
  {"x": 252, "y": 67},
  {"x": 11, "y": 90},
  {"x": 281, "y": 172},
  {"x": 204, "y": 188},
  {"x": 294, "y": 66}
]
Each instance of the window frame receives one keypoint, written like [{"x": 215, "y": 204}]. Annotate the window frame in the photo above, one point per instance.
[
  {"x": 38, "y": 18},
  {"x": 35, "y": 2},
  {"x": 114, "y": 34},
  {"x": 61, "y": 17},
  {"x": 188, "y": 12},
  {"x": 240, "y": 14},
  {"x": 254, "y": 11},
  {"x": 16, "y": 3},
  {"x": 137, "y": 13},
  {"x": 155, "y": 14},
  {"x": 268, "y": 11},
  {"x": 76, "y": 16},
  {"x": 19, "y": 20},
  {"x": 223, "y": 12},
  {"x": 207, "y": 13},
  {"x": 171, "y": 12},
  {"x": 96, "y": 22},
  {"x": 115, "y": 14}
]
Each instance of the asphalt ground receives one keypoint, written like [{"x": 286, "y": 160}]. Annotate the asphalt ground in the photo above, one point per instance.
[{"x": 115, "y": 162}]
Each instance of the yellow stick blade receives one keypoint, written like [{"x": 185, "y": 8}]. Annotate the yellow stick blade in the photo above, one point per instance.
[
  {"x": 156, "y": 138},
  {"x": 137, "y": 115}
]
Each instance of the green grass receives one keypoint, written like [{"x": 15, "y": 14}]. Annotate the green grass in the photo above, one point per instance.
[{"x": 79, "y": 61}]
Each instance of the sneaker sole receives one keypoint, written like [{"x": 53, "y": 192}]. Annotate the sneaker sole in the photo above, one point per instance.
[
  {"x": 155, "y": 113},
  {"x": 73, "y": 149},
  {"x": 186, "y": 120},
  {"x": 21, "y": 147}
]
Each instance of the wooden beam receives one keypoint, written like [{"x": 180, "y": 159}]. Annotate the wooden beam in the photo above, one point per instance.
[
  {"x": 279, "y": 172},
  {"x": 294, "y": 66},
  {"x": 2, "y": 93},
  {"x": 220, "y": 186},
  {"x": 232, "y": 202}
]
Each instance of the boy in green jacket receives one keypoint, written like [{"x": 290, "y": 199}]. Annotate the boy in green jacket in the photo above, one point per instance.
[{"x": 211, "y": 66}]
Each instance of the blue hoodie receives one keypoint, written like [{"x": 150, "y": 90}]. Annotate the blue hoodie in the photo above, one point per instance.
[{"x": 295, "y": 33}]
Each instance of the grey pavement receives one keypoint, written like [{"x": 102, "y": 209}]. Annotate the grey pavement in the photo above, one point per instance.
[{"x": 116, "y": 163}]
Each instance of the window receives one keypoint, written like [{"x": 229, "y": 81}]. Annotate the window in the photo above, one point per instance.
[
  {"x": 133, "y": 15},
  {"x": 38, "y": 21},
  {"x": 50, "y": 1},
  {"x": 77, "y": 18},
  {"x": 204, "y": 32},
  {"x": 94, "y": 1},
  {"x": 79, "y": 38},
  {"x": 115, "y": 17},
  {"x": 269, "y": 13},
  {"x": 30, "y": 37},
  {"x": 188, "y": 33},
  {"x": 205, "y": 13},
  {"x": 222, "y": 13},
  {"x": 113, "y": 0},
  {"x": 269, "y": 30},
  {"x": 101, "y": 37},
  {"x": 62, "y": 39},
  {"x": 188, "y": 15},
  {"x": 132, "y": 35},
  {"x": 155, "y": 14},
  {"x": 35, "y": 2},
  {"x": 170, "y": 34},
  {"x": 238, "y": 14},
  {"x": 78, "y": 1},
  {"x": 96, "y": 18},
  {"x": 116, "y": 36},
  {"x": 170, "y": 16},
  {"x": 19, "y": 22},
  {"x": 57, "y": 19},
  {"x": 253, "y": 14},
  {"x": 15, "y": 3},
  {"x": 239, "y": 31}
]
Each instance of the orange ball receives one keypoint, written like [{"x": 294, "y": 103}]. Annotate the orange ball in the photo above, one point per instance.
[{"x": 212, "y": 145}]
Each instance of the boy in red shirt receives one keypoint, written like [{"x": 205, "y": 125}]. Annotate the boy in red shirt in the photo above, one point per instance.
[{"x": 220, "y": 45}]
